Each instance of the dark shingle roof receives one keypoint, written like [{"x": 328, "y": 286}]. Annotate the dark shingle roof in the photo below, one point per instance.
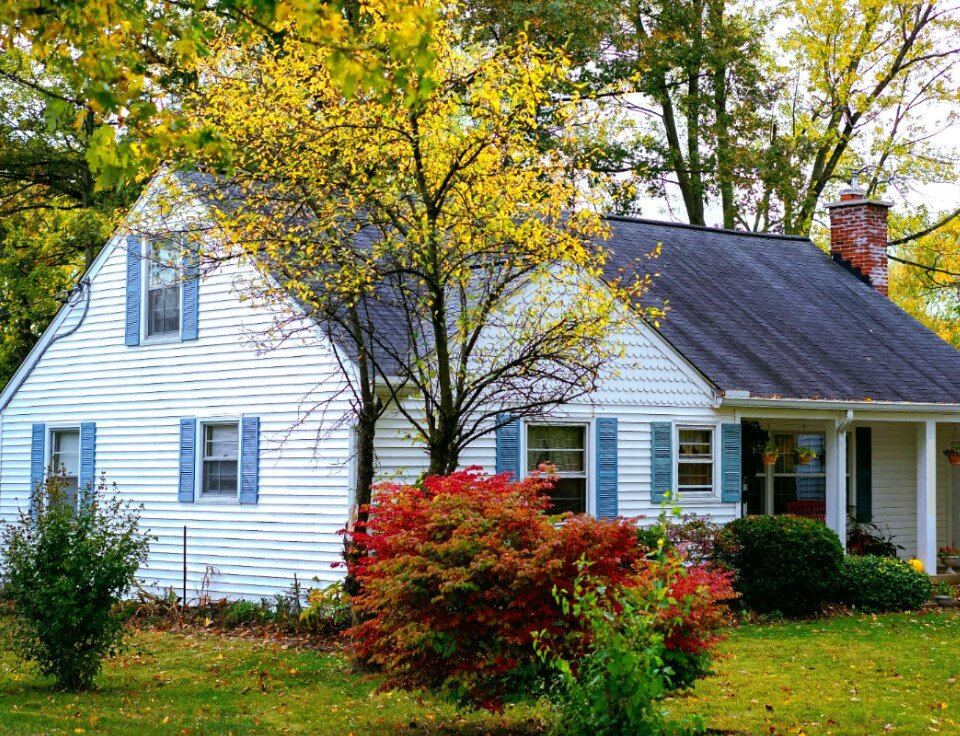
[
  {"x": 768, "y": 314},
  {"x": 777, "y": 317}
]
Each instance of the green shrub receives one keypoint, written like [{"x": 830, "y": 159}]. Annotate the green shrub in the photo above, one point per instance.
[
  {"x": 328, "y": 610},
  {"x": 878, "y": 584},
  {"x": 782, "y": 563},
  {"x": 65, "y": 571},
  {"x": 617, "y": 685},
  {"x": 243, "y": 612}
]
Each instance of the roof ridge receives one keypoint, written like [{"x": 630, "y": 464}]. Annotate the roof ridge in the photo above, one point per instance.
[{"x": 705, "y": 228}]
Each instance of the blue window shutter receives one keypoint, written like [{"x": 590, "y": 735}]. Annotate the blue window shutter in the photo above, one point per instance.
[
  {"x": 249, "y": 459},
  {"x": 189, "y": 322},
  {"x": 661, "y": 461},
  {"x": 188, "y": 460},
  {"x": 88, "y": 462},
  {"x": 37, "y": 457},
  {"x": 134, "y": 269},
  {"x": 508, "y": 445},
  {"x": 863, "y": 463},
  {"x": 731, "y": 473},
  {"x": 606, "y": 467}
]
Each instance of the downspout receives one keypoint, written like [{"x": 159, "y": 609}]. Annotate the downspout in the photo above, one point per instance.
[
  {"x": 844, "y": 423},
  {"x": 80, "y": 291}
]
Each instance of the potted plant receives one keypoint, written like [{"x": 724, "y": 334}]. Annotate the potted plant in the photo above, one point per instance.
[
  {"x": 770, "y": 452},
  {"x": 943, "y": 594},
  {"x": 805, "y": 455},
  {"x": 949, "y": 558},
  {"x": 953, "y": 455}
]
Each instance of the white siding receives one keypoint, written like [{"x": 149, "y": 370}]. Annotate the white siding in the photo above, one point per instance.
[
  {"x": 895, "y": 482},
  {"x": 652, "y": 384},
  {"x": 137, "y": 396}
]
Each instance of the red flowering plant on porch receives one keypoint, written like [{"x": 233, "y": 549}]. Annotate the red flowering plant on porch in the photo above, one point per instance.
[{"x": 458, "y": 575}]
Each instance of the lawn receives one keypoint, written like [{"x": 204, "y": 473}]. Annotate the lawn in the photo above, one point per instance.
[
  {"x": 177, "y": 684},
  {"x": 846, "y": 676}
]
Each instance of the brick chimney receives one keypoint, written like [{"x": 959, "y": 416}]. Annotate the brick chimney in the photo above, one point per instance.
[{"x": 858, "y": 235}]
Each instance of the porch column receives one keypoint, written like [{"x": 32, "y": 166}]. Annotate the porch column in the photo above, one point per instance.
[
  {"x": 927, "y": 495},
  {"x": 836, "y": 502}
]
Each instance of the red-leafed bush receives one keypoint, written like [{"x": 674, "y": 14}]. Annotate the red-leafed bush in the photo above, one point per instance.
[
  {"x": 692, "y": 618},
  {"x": 459, "y": 574}
]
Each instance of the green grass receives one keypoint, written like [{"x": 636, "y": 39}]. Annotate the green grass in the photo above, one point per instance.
[
  {"x": 846, "y": 676},
  {"x": 176, "y": 684}
]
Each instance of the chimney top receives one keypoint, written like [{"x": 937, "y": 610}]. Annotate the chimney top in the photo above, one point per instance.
[{"x": 854, "y": 194}]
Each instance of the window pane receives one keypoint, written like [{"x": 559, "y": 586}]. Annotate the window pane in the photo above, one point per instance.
[
  {"x": 163, "y": 311},
  {"x": 162, "y": 265},
  {"x": 695, "y": 474},
  {"x": 696, "y": 443},
  {"x": 561, "y": 446},
  {"x": 221, "y": 441},
  {"x": 220, "y": 477},
  {"x": 66, "y": 452},
  {"x": 71, "y": 492},
  {"x": 570, "y": 494}
]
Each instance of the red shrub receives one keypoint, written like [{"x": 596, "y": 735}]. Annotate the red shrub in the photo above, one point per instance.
[
  {"x": 459, "y": 575},
  {"x": 696, "y": 613},
  {"x": 692, "y": 616}
]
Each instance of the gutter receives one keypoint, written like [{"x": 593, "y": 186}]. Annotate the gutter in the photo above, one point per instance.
[{"x": 905, "y": 407}]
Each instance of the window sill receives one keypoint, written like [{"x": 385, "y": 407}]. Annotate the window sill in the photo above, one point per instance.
[
  {"x": 160, "y": 340},
  {"x": 217, "y": 501},
  {"x": 698, "y": 495}
]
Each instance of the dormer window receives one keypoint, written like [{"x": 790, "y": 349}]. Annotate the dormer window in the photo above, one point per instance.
[{"x": 163, "y": 290}]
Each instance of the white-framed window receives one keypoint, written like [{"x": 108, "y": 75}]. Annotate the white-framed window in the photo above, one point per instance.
[
  {"x": 696, "y": 459},
  {"x": 219, "y": 459},
  {"x": 65, "y": 460},
  {"x": 163, "y": 293},
  {"x": 564, "y": 446}
]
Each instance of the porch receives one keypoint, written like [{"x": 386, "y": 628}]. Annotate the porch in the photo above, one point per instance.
[{"x": 885, "y": 468}]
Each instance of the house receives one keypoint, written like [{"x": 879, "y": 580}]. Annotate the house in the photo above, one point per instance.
[{"x": 153, "y": 376}]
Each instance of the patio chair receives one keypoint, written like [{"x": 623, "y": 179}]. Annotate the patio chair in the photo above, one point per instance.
[{"x": 816, "y": 510}]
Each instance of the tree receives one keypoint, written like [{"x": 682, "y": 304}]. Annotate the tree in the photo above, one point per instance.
[
  {"x": 435, "y": 206},
  {"x": 53, "y": 221},
  {"x": 127, "y": 63},
  {"x": 871, "y": 85},
  {"x": 762, "y": 113},
  {"x": 925, "y": 273}
]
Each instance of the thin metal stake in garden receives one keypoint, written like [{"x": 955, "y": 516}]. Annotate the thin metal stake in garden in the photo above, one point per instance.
[{"x": 183, "y": 604}]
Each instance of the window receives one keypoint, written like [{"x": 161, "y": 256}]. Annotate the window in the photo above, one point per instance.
[
  {"x": 695, "y": 460},
  {"x": 795, "y": 481},
  {"x": 163, "y": 290},
  {"x": 564, "y": 447},
  {"x": 221, "y": 450},
  {"x": 65, "y": 460}
]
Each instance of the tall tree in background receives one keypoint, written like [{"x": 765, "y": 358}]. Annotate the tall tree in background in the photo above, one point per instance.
[
  {"x": 755, "y": 113},
  {"x": 53, "y": 219}
]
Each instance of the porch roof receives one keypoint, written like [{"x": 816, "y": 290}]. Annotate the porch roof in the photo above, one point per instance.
[{"x": 776, "y": 317}]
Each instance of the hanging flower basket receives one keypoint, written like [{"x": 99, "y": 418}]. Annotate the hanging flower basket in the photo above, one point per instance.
[
  {"x": 770, "y": 452},
  {"x": 805, "y": 455},
  {"x": 953, "y": 455}
]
